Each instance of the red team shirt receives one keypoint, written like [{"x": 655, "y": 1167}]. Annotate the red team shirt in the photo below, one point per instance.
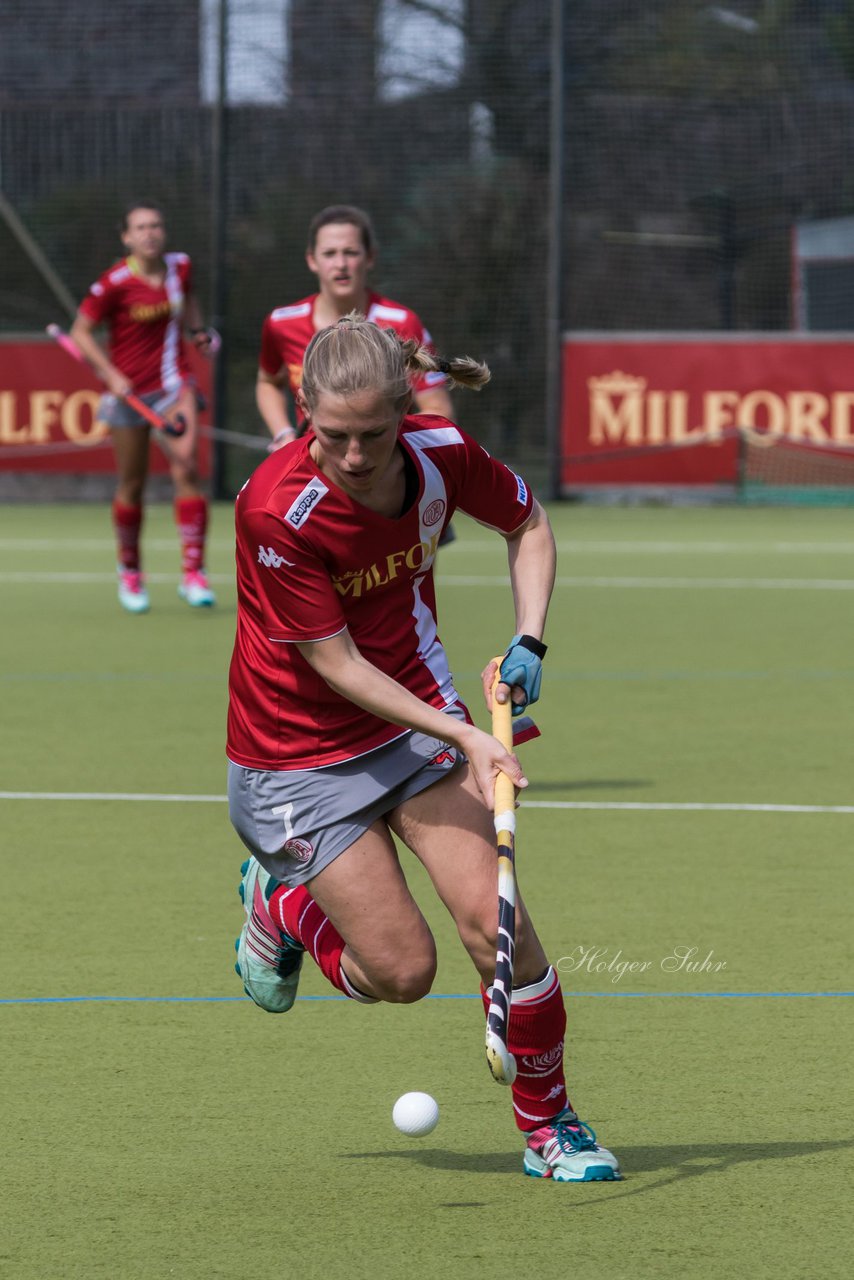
[
  {"x": 311, "y": 562},
  {"x": 287, "y": 332},
  {"x": 145, "y": 323}
]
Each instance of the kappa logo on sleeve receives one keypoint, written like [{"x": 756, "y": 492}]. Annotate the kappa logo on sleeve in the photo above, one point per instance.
[
  {"x": 521, "y": 488},
  {"x": 267, "y": 556},
  {"x": 306, "y": 502}
]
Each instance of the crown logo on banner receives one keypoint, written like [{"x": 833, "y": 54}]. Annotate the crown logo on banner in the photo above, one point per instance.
[{"x": 617, "y": 384}]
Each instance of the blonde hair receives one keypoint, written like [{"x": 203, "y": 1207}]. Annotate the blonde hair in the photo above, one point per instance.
[{"x": 357, "y": 355}]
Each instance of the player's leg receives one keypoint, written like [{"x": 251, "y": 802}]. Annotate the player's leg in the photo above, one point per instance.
[
  {"x": 450, "y": 816},
  {"x": 360, "y": 896},
  {"x": 129, "y": 437},
  {"x": 329, "y": 872},
  {"x": 449, "y": 829},
  {"x": 190, "y": 505}
]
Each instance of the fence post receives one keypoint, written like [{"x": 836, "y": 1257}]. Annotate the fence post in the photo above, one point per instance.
[{"x": 554, "y": 257}]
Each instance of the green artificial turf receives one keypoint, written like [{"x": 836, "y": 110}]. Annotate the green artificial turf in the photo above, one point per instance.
[{"x": 202, "y": 1138}]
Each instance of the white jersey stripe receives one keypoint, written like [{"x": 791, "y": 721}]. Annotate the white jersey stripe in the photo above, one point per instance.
[
  {"x": 430, "y": 649},
  {"x": 433, "y": 437},
  {"x": 170, "y": 376}
]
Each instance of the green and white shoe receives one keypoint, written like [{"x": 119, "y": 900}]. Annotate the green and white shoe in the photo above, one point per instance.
[
  {"x": 268, "y": 960},
  {"x": 195, "y": 590},
  {"x": 132, "y": 593},
  {"x": 567, "y": 1151}
]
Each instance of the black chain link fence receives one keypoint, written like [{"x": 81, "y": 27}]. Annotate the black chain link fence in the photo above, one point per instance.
[{"x": 693, "y": 138}]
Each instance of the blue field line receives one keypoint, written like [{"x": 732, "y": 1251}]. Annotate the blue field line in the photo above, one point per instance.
[{"x": 464, "y": 995}]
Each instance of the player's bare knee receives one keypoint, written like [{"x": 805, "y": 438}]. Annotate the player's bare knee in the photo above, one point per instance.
[{"x": 410, "y": 981}]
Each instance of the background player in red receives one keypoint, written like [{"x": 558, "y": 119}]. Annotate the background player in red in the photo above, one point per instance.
[
  {"x": 147, "y": 301},
  {"x": 344, "y": 725},
  {"x": 341, "y": 252}
]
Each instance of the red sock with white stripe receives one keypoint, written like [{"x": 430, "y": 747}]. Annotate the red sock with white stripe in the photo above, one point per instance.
[
  {"x": 297, "y": 913},
  {"x": 191, "y": 517},
  {"x": 127, "y": 523},
  {"x": 536, "y": 1034}
]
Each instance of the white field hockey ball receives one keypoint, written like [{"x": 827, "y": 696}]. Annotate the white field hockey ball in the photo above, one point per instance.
[{"x": 416, "y": 1114}]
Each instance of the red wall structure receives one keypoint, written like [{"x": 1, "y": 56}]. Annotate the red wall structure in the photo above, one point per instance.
[
  {"x": 664, "y": 409},
  {"x": 47, "y": 412}
]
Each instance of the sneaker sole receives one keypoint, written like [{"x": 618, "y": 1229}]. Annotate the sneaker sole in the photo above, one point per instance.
[
  {"x": 134, "y": 608},
  {"x": 593, "y": 1172},
  {"x": 207, "y": 603}
]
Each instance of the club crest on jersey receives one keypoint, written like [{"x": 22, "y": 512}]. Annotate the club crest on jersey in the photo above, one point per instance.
[
  {"x": 434, "y": 512},
  {"x": 299, "y": 849},
  {"x": 267, "y": 556},
  {"x": 305, "y": 502}
]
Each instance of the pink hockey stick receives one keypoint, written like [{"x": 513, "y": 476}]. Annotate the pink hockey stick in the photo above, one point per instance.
[{"x": 155, "y": 419}]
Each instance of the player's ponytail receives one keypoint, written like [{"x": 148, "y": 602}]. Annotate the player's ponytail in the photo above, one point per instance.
[
  {"x": 356, "y": 355},
  {"x": 461, "y": 371}
]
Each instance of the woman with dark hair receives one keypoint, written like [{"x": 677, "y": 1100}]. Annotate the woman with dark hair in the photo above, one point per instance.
[
  {"x": 341, "y": 251},
  {"x": 147, "y": 302}
]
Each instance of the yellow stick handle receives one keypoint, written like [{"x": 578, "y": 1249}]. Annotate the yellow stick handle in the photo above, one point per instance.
[{"x": 502, "y": 729}]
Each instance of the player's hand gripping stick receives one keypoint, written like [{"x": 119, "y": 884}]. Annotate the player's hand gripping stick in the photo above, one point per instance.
[{"x": 170, "y": 427}]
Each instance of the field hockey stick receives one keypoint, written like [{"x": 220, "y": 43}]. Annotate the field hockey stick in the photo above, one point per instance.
[
  {"x": 502, "y": 1064},
  {"x": 155, "y": 419}
]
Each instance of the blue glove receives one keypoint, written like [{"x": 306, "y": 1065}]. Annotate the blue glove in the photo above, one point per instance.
[{"x": 523, "y": 667}]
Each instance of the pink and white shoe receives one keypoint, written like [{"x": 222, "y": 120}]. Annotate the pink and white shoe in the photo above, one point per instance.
[
  {"x": 195, "y": 590},
  {"x": 132, "y": 593},
  {"x": 566, "y": 1150}
]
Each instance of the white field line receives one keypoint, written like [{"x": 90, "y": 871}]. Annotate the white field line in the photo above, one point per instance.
[
  {"x": 100, "y": 544},
  {"x": 493, "y": 580},
  {"x": 655, "y": 584},
  {"x": 657, "y": 547},
  {"x": 569, "y": 545},
  {"x": 75, "y": 578},
  {"x": 634, "y": 805},
  {"x": 689, "y": 807}
]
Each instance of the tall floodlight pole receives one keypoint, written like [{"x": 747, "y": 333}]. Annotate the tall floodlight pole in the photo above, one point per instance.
[
  {"x": 219, "y": 240},
  {"x": 554, "y": 257}
]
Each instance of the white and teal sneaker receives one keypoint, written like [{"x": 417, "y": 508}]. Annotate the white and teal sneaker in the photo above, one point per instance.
[
  {"x": 566, "y": 1151},
  {"x": 268, "y": 960},
  {"x": 132, "y": 593},
  {"x": 195, "y": 590}
]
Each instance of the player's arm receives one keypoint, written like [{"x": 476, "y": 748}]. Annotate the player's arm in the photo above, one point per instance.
[
  {"x": 337, "y": 661},
  {"x": 201, "y": 337},
  {"x": 81, "y": 333},
  {"x": 270, "y": 399},
  {"x": 434, "y": 400},
  {"x": 532, "y": 560}
]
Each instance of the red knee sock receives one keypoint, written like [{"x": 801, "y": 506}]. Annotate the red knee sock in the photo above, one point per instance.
[
  {"x": 296, "y": 912},
  {"x": 537, "y": 1027},
  {"x": 191, "y": 517},
  {"x": 127, "y": 522}
]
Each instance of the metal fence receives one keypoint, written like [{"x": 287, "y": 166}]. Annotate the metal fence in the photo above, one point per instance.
[{"x": 530, "y": 165}]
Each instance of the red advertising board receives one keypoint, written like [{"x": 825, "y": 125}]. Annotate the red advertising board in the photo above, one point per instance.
[
  {"x": 48, "y": 406},
  {"x": 662, "y": 409}
]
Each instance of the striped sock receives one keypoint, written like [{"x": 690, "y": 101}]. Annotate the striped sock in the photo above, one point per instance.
[
  {"x": 536, "y": 1034},
  {"x": 191, "y": 517},
  {"x": 296, "y": 912},
  {"x": 127, "y": 523}
]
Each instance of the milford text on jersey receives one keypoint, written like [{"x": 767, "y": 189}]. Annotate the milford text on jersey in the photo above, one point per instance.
[{"x": 357, "y": 582}]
